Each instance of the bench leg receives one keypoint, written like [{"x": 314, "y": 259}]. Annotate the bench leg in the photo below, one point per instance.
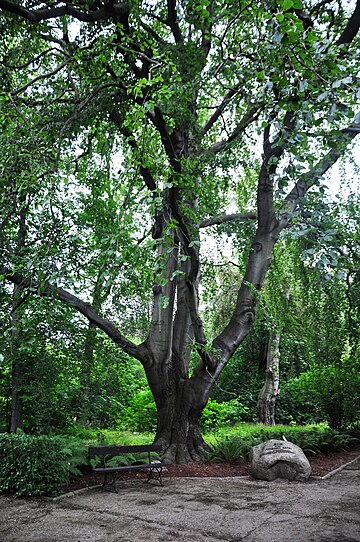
[
  {"x": 109, "y": 486},
  {"x": 155, "y": 474}
]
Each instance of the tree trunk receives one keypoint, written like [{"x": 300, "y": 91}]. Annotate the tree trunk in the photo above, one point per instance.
[
  {"x": 87, "y": 365},
  {"x": 180, "y": 406},
  {"x": 268, "y": 394},
  {"x": 16, "y": 408},
  {"x": 17, "y": 370}
]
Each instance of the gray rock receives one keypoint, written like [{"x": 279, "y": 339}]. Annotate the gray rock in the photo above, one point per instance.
[{"x": 279, "y": 459}]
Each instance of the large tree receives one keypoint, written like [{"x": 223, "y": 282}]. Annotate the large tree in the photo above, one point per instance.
[{"x": 196, "y": 98}]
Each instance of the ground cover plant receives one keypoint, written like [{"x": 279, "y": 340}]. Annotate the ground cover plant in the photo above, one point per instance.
[
  {"x": 312, "y": 440},
  {"x": 43, "y": 465}
]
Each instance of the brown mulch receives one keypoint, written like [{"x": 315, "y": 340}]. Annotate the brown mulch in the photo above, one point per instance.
[{"x": 320, "y": 465}]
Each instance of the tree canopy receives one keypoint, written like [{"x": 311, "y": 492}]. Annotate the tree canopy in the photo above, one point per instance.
[{"x": 127, "y": 128}]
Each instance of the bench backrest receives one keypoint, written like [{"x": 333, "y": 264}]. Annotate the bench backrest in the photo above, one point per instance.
[{"x": 117, "y": 450}]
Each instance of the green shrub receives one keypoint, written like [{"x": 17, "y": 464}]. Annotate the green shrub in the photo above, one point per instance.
[
  {"x": 31, "y": 465},
  {"x": 74, "y": 452},
  {"x": 141, "y": 413},
  {"x": 333, "y": 389},
  {"x": 292, "y": 409},
  {"x": 216, "y": 414}
]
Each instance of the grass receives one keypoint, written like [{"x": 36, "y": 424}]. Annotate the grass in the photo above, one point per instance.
[
  {"x": 110, "y": 436},
  {"x": 241, "y": 430},
  {"x": 247, "y": 430},
  {"x": 234, "y": 443}
]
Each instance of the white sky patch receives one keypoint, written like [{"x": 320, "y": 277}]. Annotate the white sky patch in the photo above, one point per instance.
[{"x": 344, "y": 176}]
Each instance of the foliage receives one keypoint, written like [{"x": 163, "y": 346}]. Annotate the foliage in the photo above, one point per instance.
[
  {"x": 106, "y": 437},
  {"x": 31, "y": 465},
  {"x": 232, "y": 448},
  {"x": 141, "y": 413},
  {"x": 333, "y": 389},
  {"x": 216, "y": 415},
  {"x": 75, "y": 452},
  {"x": 53, "y": 392},
  {"x": 121, "y": 137},
  {"x": 236, "y": 446}
]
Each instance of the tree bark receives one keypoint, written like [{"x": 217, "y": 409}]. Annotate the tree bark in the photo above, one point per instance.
[
  {"x": 180, "y": 406},
  {"x": 269, "y": 392},
  {"x": 17, "y": 370}
]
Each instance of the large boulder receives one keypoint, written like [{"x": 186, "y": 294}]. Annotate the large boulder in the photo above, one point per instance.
[{"x": 279, "y": 459}]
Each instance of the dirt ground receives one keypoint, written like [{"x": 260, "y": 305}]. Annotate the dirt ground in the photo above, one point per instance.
[{"x": 321, "y": 465}]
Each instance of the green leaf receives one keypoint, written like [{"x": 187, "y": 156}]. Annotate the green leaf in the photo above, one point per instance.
[{"x": 287, "y": 4}]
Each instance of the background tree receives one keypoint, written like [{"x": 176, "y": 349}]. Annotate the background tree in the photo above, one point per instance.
[{"x": 179, "y": 89}]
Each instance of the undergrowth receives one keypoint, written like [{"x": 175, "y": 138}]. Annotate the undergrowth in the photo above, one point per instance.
[
  {"x": 35, "y": 465},
  {"x": 315, "y": 440}
]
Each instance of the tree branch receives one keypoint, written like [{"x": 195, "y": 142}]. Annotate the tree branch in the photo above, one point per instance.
[
  {"x": 220, "y": 109},
  {"x": 32, "y": 61},
  {"x": 310, "y": 178},
  {"x": 214, "y": 221},
  {"x": 250, "y": 116},
  {"x": 173, "y": 22},
  {"x": 144, "y": 171},
  {"x": 108, "y": 11},
  {"x": 352, "y": 27},
  {"x": 159, "y": 122},
  {"x": 78, "y": 109},
  {"x": 52, "y": 291},
  {"x": 39, "y": 77}
]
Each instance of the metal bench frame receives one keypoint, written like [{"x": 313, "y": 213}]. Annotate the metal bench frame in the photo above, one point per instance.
[{"x": 152, "y": 466}]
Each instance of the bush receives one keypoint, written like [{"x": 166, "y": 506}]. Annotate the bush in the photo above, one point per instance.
[
  {"x": 334, "y": 389},
  {"x": 216, "y": 414},
  {"x": 31, "y": 465},
  {"x": 74, "y": 452},
  {"x": 141, "y": 413}
]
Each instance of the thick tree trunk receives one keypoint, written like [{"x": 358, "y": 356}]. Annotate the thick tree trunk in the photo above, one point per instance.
[
  {"x": 179, "y": 412},
  {"x": 268, "y": 394}
]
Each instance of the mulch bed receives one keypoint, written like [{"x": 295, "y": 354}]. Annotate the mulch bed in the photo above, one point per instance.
[{"x": 320, "y": 465}]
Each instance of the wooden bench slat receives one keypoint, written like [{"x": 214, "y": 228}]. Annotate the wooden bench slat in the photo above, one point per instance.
[
  {"x": 145, "y": 466},
  {"x": 117, "y": 450}
]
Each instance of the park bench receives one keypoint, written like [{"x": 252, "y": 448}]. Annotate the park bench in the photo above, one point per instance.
[{"x": 152, "y": 465}]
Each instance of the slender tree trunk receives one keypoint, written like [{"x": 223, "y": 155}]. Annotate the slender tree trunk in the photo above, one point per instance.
[
  {"x": 267, "y": 397},
  {"x": 86, "y": 372},
  {"x": 269, "y": 392},
  {"x": 17, "y": 371},
  {"x": 98, "y": 298}
]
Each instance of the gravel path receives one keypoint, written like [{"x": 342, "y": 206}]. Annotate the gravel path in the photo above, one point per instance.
[{"x": 199, "y": 509}]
